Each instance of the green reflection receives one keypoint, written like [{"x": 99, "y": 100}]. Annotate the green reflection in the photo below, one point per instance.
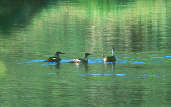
[
  {"x": 2, "y": 69},
  {"x": 36, "y": 30},
  {"x": 94, "y": 24}
]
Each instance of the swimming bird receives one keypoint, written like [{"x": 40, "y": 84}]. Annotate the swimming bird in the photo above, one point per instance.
[
  {"x": 109, "y": 58},
  {"x": 55, "y": 58},
  {"x": 81, "y": 60}
]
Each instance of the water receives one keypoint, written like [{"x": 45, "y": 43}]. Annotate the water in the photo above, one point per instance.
[{"x": 139, "y": 30}]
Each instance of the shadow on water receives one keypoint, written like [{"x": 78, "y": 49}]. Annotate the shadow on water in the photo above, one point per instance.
[
  {"x": 108, "y": 70},
  {"x": 83, "y": 66},
  {"x": 58, "y": 66}
]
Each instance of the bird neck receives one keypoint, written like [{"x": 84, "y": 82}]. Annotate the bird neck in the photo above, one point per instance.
[
  {"x": 57, "y": 55},
  {"x": 86, "y": 56},
  {"x": 103, "y": 55},
  {"x": 112, "y": 52},
  {"x": 85, "y": 60}
]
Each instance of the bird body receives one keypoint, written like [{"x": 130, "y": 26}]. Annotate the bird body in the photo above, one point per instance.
[
  {"x": 81, "y": 60},
  {"x": 55, "y": 58},
  {"x": 76, "y": 60},
  {"x": 109, "y": 58}
]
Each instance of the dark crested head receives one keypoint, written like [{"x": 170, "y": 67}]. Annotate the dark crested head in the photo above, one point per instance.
[
  {"x": 59, "y": 53},
  {"x": 86, "y": 54}
]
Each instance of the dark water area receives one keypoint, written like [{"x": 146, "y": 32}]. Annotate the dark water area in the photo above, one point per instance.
[{"x": 31, "y": 31}]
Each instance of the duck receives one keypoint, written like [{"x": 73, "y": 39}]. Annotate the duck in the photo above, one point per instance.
[
  {"x": 55, "y": 58},
  {"x": 81, "y": 60},
  {"x": 109, "y": 58}
]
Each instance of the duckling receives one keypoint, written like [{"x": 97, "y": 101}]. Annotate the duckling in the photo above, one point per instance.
[
  {"x": 109, "y": 58},
  {"x": 55, "y": 58},
  {"x": 81, "y": 60}
]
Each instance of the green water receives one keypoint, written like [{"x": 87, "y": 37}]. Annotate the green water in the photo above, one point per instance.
[{"x": 31, "y": 31}]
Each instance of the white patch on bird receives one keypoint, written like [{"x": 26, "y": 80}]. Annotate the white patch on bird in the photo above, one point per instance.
[
  {"x": 76, "y": 60},
  {"x": 105, "y": 59}
]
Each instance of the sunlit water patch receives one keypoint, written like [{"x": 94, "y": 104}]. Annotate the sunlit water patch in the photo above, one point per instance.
[{"x": 119, "y": 75}]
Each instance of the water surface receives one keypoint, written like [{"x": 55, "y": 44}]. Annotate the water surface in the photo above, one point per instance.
[{"x": 139, "y": 30}]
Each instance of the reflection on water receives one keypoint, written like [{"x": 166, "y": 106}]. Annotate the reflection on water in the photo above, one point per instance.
[{"x": 32, "y": 31}]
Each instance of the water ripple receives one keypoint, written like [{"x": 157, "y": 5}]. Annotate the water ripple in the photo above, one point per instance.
[
  {"x": 119, "y": 75},
  {"x": 121, "y": 60}
]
